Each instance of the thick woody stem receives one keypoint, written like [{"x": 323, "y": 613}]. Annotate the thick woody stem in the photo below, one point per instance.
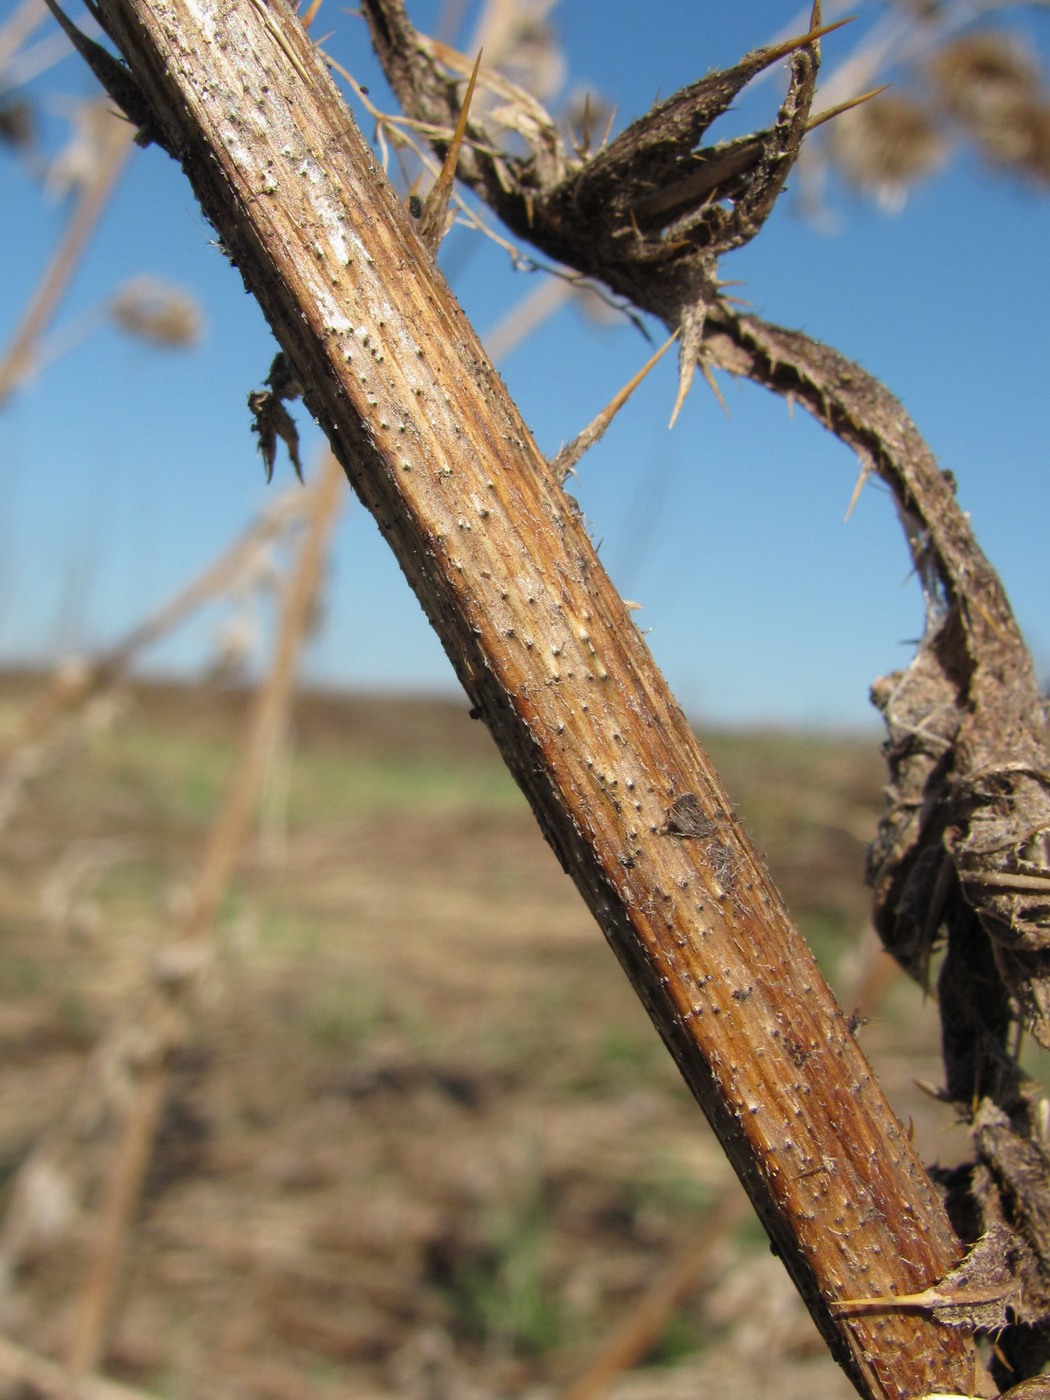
[{"x": 552, "y": 661}]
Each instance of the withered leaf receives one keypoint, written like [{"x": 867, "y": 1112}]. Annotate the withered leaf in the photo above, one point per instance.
[{"x": 271, "y": 420}]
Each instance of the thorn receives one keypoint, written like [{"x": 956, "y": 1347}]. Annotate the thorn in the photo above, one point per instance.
[
  {"x": 310, "y": 14},
  {"x": 566, "y": 459},
  {"x": 686, "y": 366},
  {"x": 692, "y": 330},
  {"x": 281, "y": 40},
  {"x": 942, "y": 1296},
  {"x": 926, "y": 1086},
  {"x": 585, "y": 138},
  {"x": 803, "y": 41},
  {"x": 841, "y": 107},
  {"x": 928, "y": 1299},
  {"x": 994, "y": 1343},
  {"x": 814, "y": 15},
  {"x": 712, "y": 384},
  {"x": 608, "y": 129},
  {"x": 435, "y": 207},
  {"x": 865, "y": 472}
]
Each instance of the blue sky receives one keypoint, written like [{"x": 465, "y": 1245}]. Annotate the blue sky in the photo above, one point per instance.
[{"x": 124, "y": 470}]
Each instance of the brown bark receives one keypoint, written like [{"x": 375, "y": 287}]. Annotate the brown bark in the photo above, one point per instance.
[{"x": 554, "y": 664}]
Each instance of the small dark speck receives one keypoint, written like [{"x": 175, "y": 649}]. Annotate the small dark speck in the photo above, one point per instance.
[{"x": 742, "y": 994}]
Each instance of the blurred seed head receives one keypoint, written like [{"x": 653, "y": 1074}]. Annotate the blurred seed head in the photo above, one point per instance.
[
  {"x": 233, "y": 649},
  {"x": 921, "y": 9},
  {"x": 980, "y": 75},
  {"x": 533, "y": 58},
  {"x": 154, "y": 311},
  {"x": 886, "y": 146},
  {"x": 1022, "y": 141},
  {"x": 17, "y": 127},
  {"x": 519, "y": 41},
  {"x": 991, "y": 84},
  {"x": 96, "y": 133}
]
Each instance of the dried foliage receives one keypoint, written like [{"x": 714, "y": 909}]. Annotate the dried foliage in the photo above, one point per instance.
[
  {"x": 271, "y": 420},
  {"x": 162, "y": 315},
  {"x": 961, "y": 859},
  {"x": 886, "y": 146},
  {"x": 651, "y": 211},
  {"x": 954, "y": 84},
  {"x": 991, "y": 85}
]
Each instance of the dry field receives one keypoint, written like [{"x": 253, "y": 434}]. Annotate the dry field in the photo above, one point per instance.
[{"x": 424, "y": 1143}]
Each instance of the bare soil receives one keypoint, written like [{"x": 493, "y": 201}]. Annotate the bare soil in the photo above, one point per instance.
[{"x": 424, "y": 1142}]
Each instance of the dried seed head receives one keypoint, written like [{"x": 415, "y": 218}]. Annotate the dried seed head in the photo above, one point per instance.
[
  {"x": 981, "y": 75},
  {"x": 990, "y": 83},
  {"x": 1021, "y": 140},
  {"x": 17, "y": 124},
  {"x": 234, "y": 645},
  {"x": 96, "y": 133},
  {"x": 922, "y": 9},
  {"x": 155, "y": 311},
  {"x": 524, "y": 47},
  {"x": 886, "y": 146}
]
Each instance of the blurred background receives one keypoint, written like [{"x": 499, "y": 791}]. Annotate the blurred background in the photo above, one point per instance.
[{"x": 319, "y": 1080}]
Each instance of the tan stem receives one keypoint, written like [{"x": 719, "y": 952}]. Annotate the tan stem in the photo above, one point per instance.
[
  {"x": 124, "y": 1189},
  {"x": 225, "y": 841},
  {"x": 231, "y": 825},
  {"x": 17, "y": 364}
]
